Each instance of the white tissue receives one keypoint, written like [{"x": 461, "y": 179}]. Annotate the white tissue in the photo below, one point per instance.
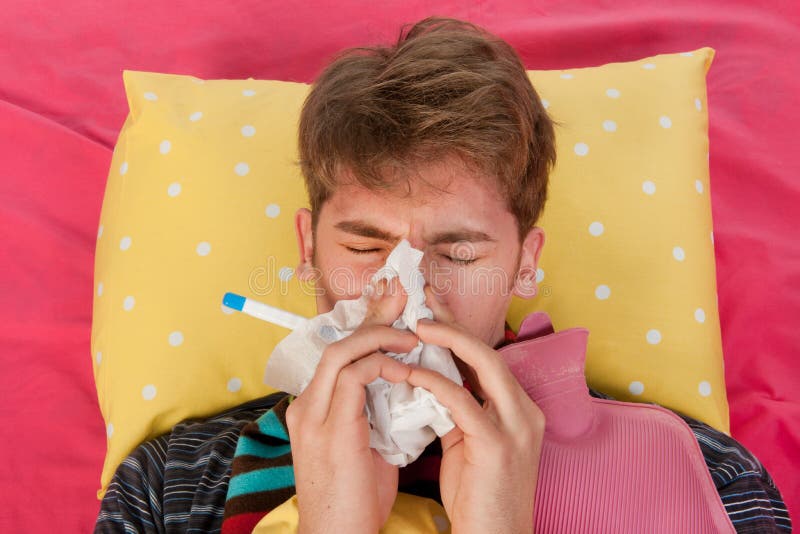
[{"x": 403, "y": 419}]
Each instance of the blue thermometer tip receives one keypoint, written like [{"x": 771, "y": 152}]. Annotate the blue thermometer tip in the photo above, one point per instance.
[{"x": 232, "y": 300}]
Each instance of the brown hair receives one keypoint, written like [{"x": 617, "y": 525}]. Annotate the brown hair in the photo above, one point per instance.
[{"x": 446, "y": 88}]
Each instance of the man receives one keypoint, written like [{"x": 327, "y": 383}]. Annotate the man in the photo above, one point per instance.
[{"x": 440, "y": 140}]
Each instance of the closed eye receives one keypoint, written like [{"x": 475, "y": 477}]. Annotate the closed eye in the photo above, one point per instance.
[
  {"x": 460, "y": 261},
  {"x": 362, "y": 250}
]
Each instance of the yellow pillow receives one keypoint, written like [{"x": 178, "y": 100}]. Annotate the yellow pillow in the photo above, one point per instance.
[{"x": 200, "y": 201}]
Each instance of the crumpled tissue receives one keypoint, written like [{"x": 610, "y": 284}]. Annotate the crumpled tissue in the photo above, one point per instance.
[{"x": 403, "y": 419}]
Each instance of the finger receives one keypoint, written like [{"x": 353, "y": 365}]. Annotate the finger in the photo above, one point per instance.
[
  {"x": 466, "y": 412},
  {"x": 338, "y": 355},
  {"x": 350, "y": 394},
  {"x": 441, "y": 312},
  {"x": 452, "y": 438},
  {"x": 385, "y": 303},
  {"x": 494, "y": 378}
]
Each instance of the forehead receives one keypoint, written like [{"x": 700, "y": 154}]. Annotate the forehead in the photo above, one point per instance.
[{"x": 436, "y": 196}]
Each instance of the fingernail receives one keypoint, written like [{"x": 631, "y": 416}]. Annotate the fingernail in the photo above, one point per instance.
[
  {"x": 397, "y": 287},
  {"x": 428, "y": 290},
  {"x": 431, "y": 294}
]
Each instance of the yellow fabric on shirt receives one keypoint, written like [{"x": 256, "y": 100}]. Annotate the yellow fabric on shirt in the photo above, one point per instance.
[{"x": 410, "y": 514}]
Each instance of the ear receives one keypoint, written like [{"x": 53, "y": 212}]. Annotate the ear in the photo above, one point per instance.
[
  {"x": 305, "y": 243},
  {"x": 525, "y": 283}
]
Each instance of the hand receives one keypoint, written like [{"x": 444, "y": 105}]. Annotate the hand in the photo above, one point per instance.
[
  {"x": 490, "y": 460},
  {"x": 342, "y": 484}
]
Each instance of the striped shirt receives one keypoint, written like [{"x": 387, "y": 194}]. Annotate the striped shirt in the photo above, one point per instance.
[{"x": 178, "y": 482}]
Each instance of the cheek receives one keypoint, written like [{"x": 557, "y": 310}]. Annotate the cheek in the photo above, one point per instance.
[
  {"x": 481, "y": 315},
  {"x": 476, "y": 309},
  {"x": 478, "y": 297},
  {"x": 470, "y": 283},
  {"x": 344, "y": 276}
]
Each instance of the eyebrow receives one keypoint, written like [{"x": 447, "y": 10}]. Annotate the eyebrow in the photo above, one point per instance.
[
  {"x": 364, "y": 229},
  {"x": 460, "y": 234}
]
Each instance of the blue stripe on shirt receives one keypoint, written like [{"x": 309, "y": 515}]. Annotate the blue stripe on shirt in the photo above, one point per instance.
[{"x": 267, "y": 479}]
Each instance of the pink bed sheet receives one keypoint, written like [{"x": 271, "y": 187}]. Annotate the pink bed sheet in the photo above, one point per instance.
[{"x": 62, "y": 105}]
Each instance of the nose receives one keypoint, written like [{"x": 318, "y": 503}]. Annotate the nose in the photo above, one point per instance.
[
  {"x": 428, "y": 267},
  {"x": 418, "y": 243},
  {"x": 415, "y": 240}
]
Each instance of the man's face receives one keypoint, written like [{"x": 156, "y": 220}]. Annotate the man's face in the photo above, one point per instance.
[{"x": 472, "y": 254}]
